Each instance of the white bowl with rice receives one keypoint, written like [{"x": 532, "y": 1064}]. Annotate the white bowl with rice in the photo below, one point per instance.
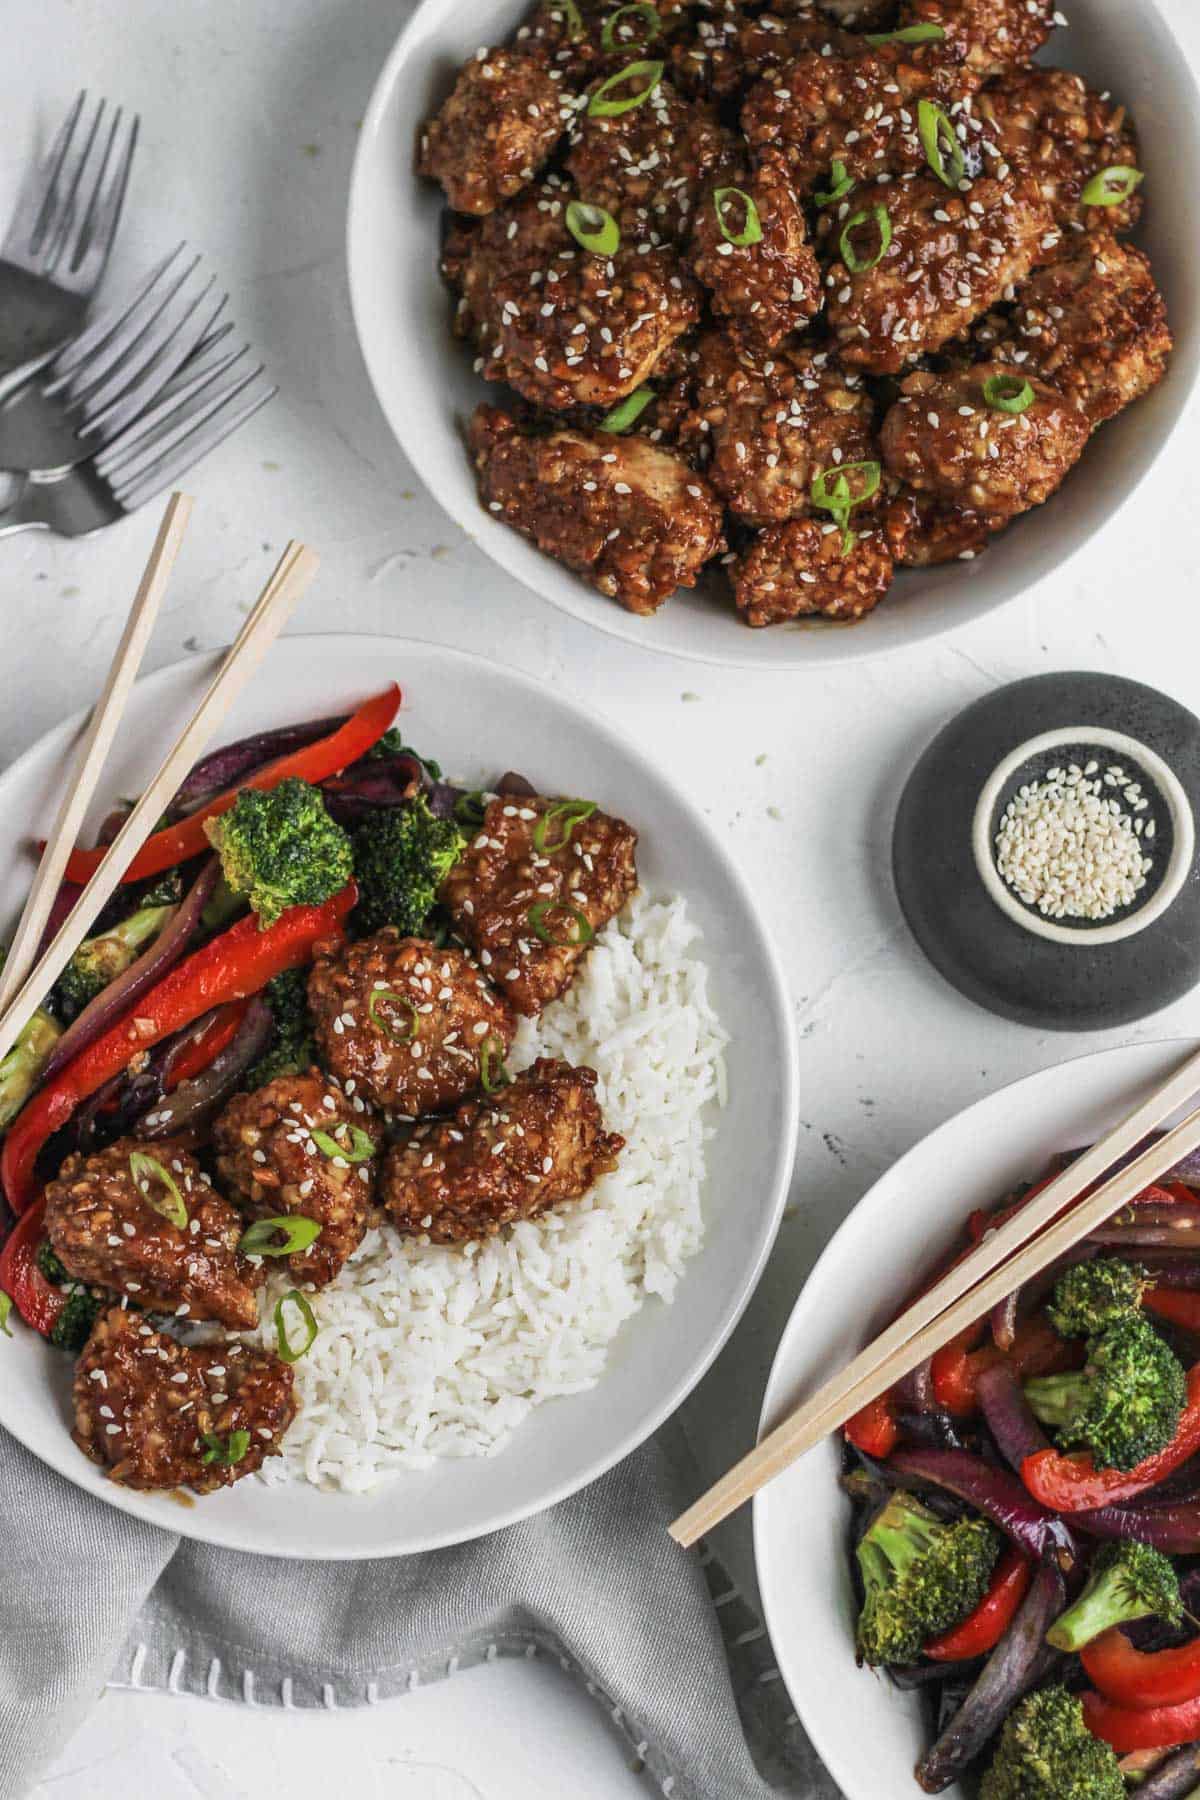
[{"x": 554, "y": 1349}]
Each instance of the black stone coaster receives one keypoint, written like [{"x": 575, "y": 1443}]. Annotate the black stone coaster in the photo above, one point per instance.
[{"x": 1085, "y": 977}]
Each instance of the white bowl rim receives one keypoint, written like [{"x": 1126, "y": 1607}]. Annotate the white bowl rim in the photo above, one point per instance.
[
  {"x": 580, "y": 602},
  {"x": 824, "y": 1740},
  {"x": 191, "y": 1519}
]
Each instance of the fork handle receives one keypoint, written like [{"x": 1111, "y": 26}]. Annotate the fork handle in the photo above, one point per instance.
[{"x": 72, "y": 505}]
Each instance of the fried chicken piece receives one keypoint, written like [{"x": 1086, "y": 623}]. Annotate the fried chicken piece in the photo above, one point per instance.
[
  {"x": 405, "y": 1024},
  {"x": 860, "y": 109},
  {"x": 155, "y": 1415},
  {"x": 992, "y": 35},
  {"x": 770, "y": 287},
  {"x": 951, "y": 256},
  {"x": 923, "y": 532},
  {"x": 513, "y": 1155},
  {"x": 1093, "y": 326},
  {"x": 108, "y": 1221},
  {"x": 792, "y": 571},
  {"x": 493, "y": 133},
  {"x": 771, "y": 421},
  {"x": 302, "y": 1145},
  {"x": 520, "y": 891},
  {"x": 1047, "y": 124},
  {"x": 860, "y": 15},
  {"x": 633, "y": 520},
  {"x": 526, "y": 234},
  {"x": 647, "y": 166},
  {"x": 943, "y": 438},
  {"x": 571, "y": 41}
]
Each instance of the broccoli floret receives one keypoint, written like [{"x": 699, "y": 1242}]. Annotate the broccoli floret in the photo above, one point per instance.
[
  {"x": 21, "y": 1069},
  {"x": 1046, "y": 1752},
  {"x": 921, "y": 1576},
  {"x": 291, "y": 1048},
  {"x": 1091, "y": 1295},
  {"x": 47, "y": 1260},
  {"x": 99, "y": 960},
  {"x": 1124, "y": 1405},
  {"x": 280, "y": 848},
  {"x": 1128, "y": 1581},
  {"x": 73, "y": 1326},
  {"x": 400, "y": 857}
]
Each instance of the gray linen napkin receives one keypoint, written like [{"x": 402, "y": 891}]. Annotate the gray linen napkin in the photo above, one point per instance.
[{"x": 92, "y": 1594}]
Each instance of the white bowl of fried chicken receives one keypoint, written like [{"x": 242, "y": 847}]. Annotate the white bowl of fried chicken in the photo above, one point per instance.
[{"x": 845, "y": 320}]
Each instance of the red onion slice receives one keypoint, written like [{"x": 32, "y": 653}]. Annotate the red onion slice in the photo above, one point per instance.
[
  {"x": 995, "y": 1493},
  {"x": 193, "y": 1102},
  {"x": 1009, "y": 1418}
]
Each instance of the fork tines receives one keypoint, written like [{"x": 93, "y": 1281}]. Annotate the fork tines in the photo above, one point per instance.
[
  {"x": 210, "y": 398},
  {"x": 68, "y": 209}
]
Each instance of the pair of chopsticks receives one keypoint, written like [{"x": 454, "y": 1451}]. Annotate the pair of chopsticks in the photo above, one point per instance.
[
  {"x": 1002, "y": 1262},
  {"x": 27, "y": 978}
]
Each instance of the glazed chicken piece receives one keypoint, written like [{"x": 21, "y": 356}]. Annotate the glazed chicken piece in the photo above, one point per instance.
[
  {"x": 860, "y": 15},
  {"x": 1047, "y": 124},
  {"x": 302, "y": 1145},
  {"x": 571, "y": 41},
  {"x": 950, "y": 257},
  {"x": 1093, "y": 326},
  {"x": 769, "y": 422},
  {"x": 802, "y": 568},
  {"x": 493, "y": 133},
  {"x": 633, "y": 520},
  {"x": 991, "y": 35},
  {"x": 155, "y": 1415},
  {"x": 532, "y": 890},
  {"x": 859, "y": 108},
  {"x": 525, "y": 234},
  {"x": 538, "y": 1143},
  {"x": 923, "y": 532},
  {"x": 943, "y": 437},
  {"x": 405, "y": 1024},
  {"x": 648, "y": 166},
  {"x": 145, "y": 1220},
  {"x": 771, "y": 286}
]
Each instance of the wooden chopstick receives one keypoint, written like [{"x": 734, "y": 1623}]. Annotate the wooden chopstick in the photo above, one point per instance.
[
  {"x": 292, "y": 575},
  {"x": 1002, "y": 1262},
  {"x": 97, "y": 742}
]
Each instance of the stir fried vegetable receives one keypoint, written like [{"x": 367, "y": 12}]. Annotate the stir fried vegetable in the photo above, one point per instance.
[{"x": 920, "y": 1577}]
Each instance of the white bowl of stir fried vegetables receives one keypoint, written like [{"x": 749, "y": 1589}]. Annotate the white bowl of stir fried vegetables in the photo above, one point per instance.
[
  {"x": 1026, "y": 1445},
  {"x": 483, "y": 720},
  {"x": 429, "y": 391}
]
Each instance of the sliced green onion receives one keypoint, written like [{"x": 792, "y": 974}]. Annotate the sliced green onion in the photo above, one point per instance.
[
  {"x": 608, "y": 35},
  {"x": 751, "y": 232},
  {"x": 602, "y": 106},
  {"x": 1111, "y": 186},
  {"x": 287, "y": 1350},
  {"x": 841, "y": 184},
  {"x": 5, "y": 1310},
  {"x": 1008, "y": 393},
  {"x": 628, "y": 412},
  {"x": 361, "y": 1147},
  {"x": 225, "y": 1452},
  {"x": 832, "y": 492},
  {"x": 146, "y": 1171},
  {"x": 493, "y": 1075},
  {"x": 388, "y": 1026},
  {"x": 571, "y": 14},
  {"x": 593, "y": 227},
  {"x": 878, "y": 216},
  {"x": 537, "y": 919},
  {"x": 566, "y": 814},
  {"x": 911, "y": 34},
  {"x": 939, "y": 140},
  {"x": 282, "y": 1236}
]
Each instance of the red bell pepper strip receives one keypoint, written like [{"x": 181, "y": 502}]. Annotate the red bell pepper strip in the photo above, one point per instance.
[
  {"x": 1073, "y": 1484},
  {"x": 982, "y": 1629},
  {"x": 1036, "y": 1350},
  {"x": 1154, "y": 1728},
  {"x": 36, "y": 1299},
  {"x": 1142, "y": 1679},
  {"x": 315, "y": 762},
  {"x": 232, "y": 966},
  {"x": 214, "y": 1037},
  {"x": 873, "y": 1430},
  {"x": 1180, "y": 1307}
]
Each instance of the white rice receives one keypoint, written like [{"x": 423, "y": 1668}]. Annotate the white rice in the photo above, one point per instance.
[{"x": 426, "y": 1351}]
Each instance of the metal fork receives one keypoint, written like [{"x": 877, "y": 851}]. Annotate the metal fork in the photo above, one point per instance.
[
  {"x": 211, "y": 397},
  {"x": 80, "y": 398},
  {"x": 58, "y": 242}
]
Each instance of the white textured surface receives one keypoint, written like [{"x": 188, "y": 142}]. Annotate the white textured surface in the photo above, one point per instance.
[{"x": 249, "y": 126}]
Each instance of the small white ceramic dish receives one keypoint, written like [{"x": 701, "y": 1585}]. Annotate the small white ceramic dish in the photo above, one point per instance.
[
  {"x": 477, "y": 719},
  {"x": 869, "y": 1734},
  {"x": 425, "y": 384}
]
